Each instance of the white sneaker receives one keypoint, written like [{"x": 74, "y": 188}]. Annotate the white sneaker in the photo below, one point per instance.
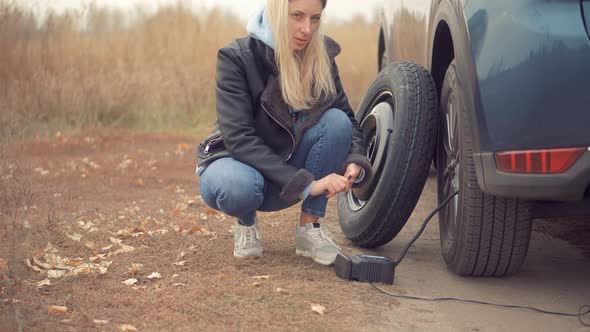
[
  {"x": 316, "y": 242},
  {"x": 247, "y": 241}
]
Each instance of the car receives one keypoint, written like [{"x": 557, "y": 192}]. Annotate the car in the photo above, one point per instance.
[{"x": 494, "y": 94}]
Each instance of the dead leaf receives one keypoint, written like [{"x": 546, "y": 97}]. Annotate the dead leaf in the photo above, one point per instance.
[
  {"x": 42, "y": 264},
  {"x": 75, "y": 237},
  {"x": 32, "y": 267},
  {"x": 281, "y": 290},
  {"x": 318, "y": 308},
  {"x": 106, "y": 248},
  {"x": 128, "y": 327},
  {"x": 212, "y": 212},
  {"x": 86, "y": 225},
  {"x": 155, "y": 275},
  {"x": 260, "y": 277},
  {"x": 56, "y": 262},
  {"x": 130, "y": 281},
  {"x": 194, "y": 230},
  {"x": 100, "y": 321},
  {"x": 134, "y": 269},
  {"x": 256, "y": 284},
  {"x": 54, "y": 274},
  {"x": 181, "y": 263},
  {"x": 57, "y": 310},
  {"x": 44, "y": 283},
  {"x": 184, "y": 146},
  {"x": 123, "y": 233},
  {"x": 178, "y": 284},
  {"x": 175, "y": 275},
  {"x": 89, "y": 245},
  {"x": 74, "y": 262}
]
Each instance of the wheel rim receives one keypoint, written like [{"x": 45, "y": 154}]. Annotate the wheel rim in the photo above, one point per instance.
[
  {"x": 376, "y": 127},
  {"x": 451, "y": 171}
]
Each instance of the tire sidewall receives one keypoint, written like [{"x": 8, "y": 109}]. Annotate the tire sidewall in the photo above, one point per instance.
[
  {"x": 452, "y": 86},
  {"x": 353, "y": 223}
]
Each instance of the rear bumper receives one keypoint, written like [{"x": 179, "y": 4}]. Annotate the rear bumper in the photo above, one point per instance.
[{"x": 571, "y": 185}]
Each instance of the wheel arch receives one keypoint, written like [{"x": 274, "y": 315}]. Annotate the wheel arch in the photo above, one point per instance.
[{"x": 450, "y": 36}]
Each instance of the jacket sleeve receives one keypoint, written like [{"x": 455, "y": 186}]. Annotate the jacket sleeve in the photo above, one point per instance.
[
  {"x": 235, "y": 117},
  {"x": 358, "y": 149}
]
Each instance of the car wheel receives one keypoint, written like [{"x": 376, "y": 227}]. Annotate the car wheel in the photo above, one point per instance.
[
  {"x": 398, "y": 117},
  {"x": 480, "y": 234}
]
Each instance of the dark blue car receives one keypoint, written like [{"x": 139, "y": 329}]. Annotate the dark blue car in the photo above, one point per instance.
[{"x": 497, "y": 94}]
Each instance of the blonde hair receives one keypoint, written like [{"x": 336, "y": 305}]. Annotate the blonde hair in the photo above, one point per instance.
[{"x": 305, "y": 75}]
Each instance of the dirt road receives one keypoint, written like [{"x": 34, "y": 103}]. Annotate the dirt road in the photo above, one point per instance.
[{"x": 119, "y": 215}]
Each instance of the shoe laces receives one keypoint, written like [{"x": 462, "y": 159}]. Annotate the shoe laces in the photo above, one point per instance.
[
  {"x": 322, "y": 234},
  {"x": 249, "y": 235}
]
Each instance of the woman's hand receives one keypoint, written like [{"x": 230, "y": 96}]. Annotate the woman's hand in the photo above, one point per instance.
[
  {"x": 352, "y": 172},
  {"x": 331, "y": 185}
]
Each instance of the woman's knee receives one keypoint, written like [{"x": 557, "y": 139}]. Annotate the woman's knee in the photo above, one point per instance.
[
  {"x": 232, "y": 187},
  {"x": 337, "y": 123}
]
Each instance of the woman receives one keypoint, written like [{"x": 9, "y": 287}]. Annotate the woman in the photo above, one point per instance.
[{"x": 285, "y": 130}]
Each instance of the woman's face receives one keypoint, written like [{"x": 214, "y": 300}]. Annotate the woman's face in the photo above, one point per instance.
[{"x": 304, "y": 21}]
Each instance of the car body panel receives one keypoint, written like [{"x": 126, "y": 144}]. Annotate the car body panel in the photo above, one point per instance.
[{"x": 523, "y": 66}]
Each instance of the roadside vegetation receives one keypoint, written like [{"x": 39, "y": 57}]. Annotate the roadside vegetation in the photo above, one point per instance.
[{"x": 105, "y": 68}]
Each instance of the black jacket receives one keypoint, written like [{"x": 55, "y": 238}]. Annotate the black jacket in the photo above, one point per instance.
[{"x": 254, "y": 124}]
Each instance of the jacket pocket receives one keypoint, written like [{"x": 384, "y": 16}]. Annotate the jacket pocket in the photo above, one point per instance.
[{"x": 211, "y": 149}]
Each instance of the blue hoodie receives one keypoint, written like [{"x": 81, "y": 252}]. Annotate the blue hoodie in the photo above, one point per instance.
[{"x": 259, "y": 28}]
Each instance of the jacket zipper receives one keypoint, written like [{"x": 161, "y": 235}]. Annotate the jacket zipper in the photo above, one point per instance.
[
  {"x": 286, "y": 129},
  {"x": 212, "y": 142}
]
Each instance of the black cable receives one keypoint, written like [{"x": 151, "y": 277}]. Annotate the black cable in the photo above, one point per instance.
[
  {"x": 582, "y": 311},
  {"x": 435, "y": 211}
]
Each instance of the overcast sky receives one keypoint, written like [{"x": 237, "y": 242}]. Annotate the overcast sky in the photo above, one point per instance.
[{"x": 336, "y": 9}]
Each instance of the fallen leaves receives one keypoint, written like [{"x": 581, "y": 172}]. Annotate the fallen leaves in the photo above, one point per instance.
[
  {"x": 123, "y": 248},
  {"x": 57, "y": 310},
  {"x": 44, "y": 283},
  {"x": 155, "y": 275},
  {"x": 135, "y": 268},
  {"x": 125, "y": 163},
  {"x": 318, "y": 308},
  {"x": 128, "y": 327},
  {"x": 41, "y": 171},
  {"x": 281, "y": 290},
  {"x": 75, "y": 237},
  {"x": 55, "y": 274},
  {"x": 100, "y": 321},
  {"x": 261, "y": 277},
  {"x": 130, "y": 281},
  {"x": 180, "y": 263},
  {"x": 47, "y": 261}
]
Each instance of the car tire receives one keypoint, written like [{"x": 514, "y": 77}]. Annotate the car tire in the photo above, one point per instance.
[
  {"x": 398, "y": 117},
  {"x": 480, "y": 234}
]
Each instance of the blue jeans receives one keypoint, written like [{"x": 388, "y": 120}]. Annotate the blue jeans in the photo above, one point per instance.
[{"x": 239, "y": 190}]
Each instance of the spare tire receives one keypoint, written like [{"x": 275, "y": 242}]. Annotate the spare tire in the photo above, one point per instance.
[{"x": 398, "y": 116}]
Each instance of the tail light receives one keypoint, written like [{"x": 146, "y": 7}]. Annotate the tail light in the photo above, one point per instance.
[{"x": 553, "y": 161}]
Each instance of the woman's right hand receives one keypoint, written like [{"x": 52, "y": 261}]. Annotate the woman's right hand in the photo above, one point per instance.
[{"x": 331, "y": 185}]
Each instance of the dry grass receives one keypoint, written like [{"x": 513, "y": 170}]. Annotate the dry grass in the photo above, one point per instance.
[{"x": 157, "y": 73}]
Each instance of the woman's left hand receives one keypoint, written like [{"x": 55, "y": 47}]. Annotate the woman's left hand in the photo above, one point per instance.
[{"x": 352, "y": 172}]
